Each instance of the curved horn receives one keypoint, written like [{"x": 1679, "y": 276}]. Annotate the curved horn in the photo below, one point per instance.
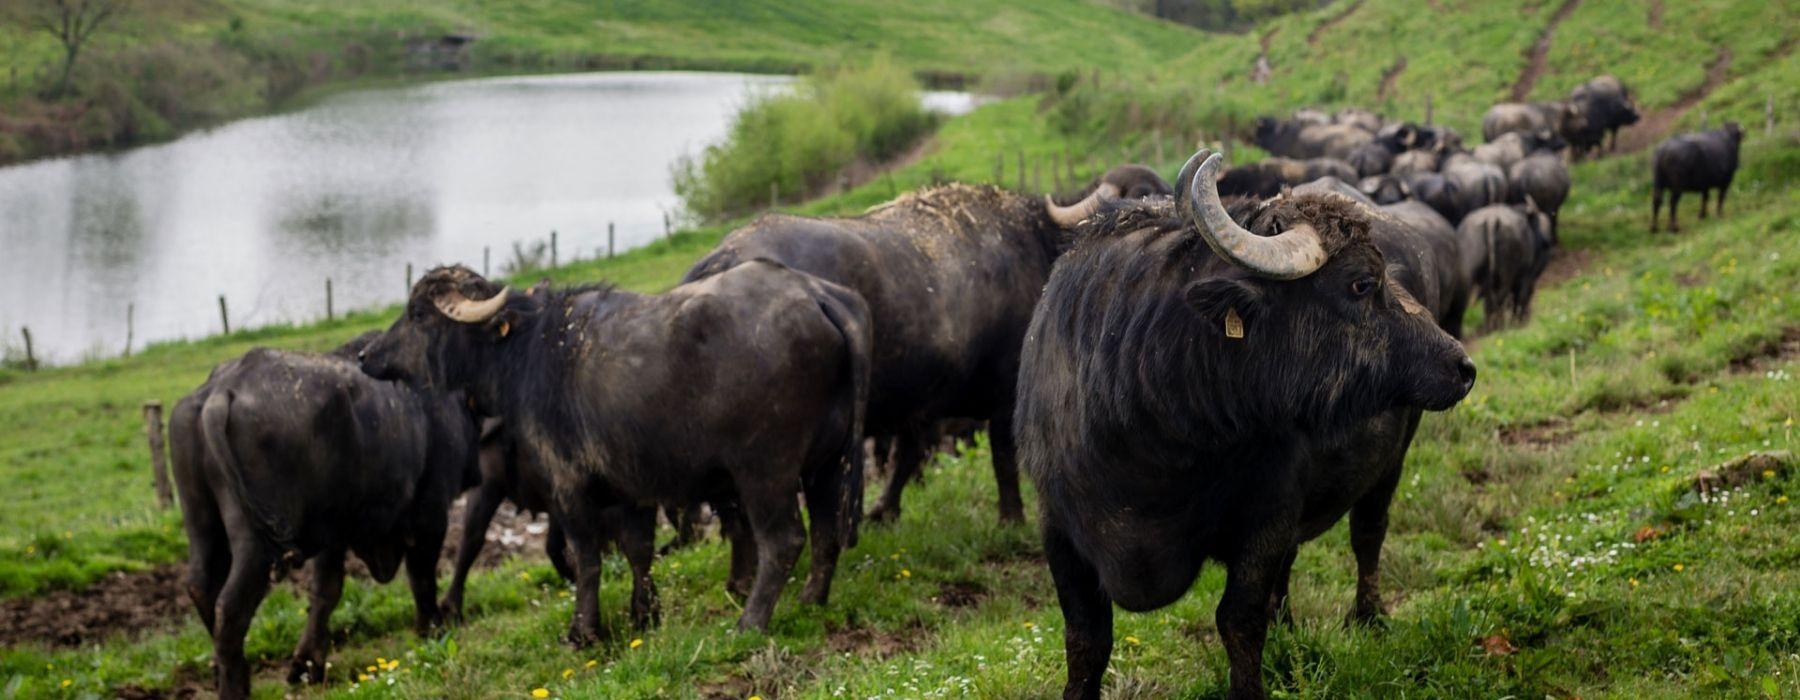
[
  {"x": 463, "y": 310},
  {"x": 1069, "y": 216},
  {"x": 1293, "y": 254}
]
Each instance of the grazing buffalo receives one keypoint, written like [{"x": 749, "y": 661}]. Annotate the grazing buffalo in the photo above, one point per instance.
[
  {"x": 1371, "y": 159},
  {"x": 1513, "y": 146},
  {"x": 1505, "y": 249},
  {"x": 951, "y": 275},
  {"x": 1564, "y": 118},
  {"x": 1384, "y": 189},
  {"x": 1297, "y": 139},
  {"x": 1266, "y": 177},
  {"x": 747, "y": 387},
  {"x": 1696, "y": 162},
  {"x": 1209, "y": 384},
  {"x": 1608, "y": 104},
  {"x": 1545, "y": 179},
  {"x": 286, "y": 457},
  {"x": 1437, "y": 192}
]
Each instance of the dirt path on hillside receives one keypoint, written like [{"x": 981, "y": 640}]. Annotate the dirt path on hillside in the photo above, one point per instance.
[
  {"x": 1537, "y": 59},
  {"x": 135, "y": 602},
  {"x": 1312, "y": 38},
  {"x": 1656, "y": 14},
  {"x": 1388, "y": 77},
  {"x": 1657, "y": 123}
]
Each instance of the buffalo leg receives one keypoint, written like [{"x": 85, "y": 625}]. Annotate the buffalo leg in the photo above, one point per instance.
[
  {"x": 209, "y": 558},
  {"x": 1368, "y": 529},
  {"x": 908, "y": 457},
  {"x": 774, "y": 519},
  {"x": 1703, "y": 193},
  {"x": 242, "y": 594},
  {"x": 1087, "y": 616},
  {"x": 556, "y": 547},
  {"x": 1719, "y": 207},
  {"x": 1279, "y": 610},
  {"x": 1243, "y": 614},
  {"x": 584, "y": 530},
  {"x": 743, "y": 549},
  {"x": 1674, "y": 201},
  {"x": 637, "y": 541},
  {"x": 824, "y": 499},
  {"x": 476, "y": 518},
  {"x": 421, "y": 571},
  {"x": 315, "y": 641},
  {"x": 1006, "y": 465},
  {"x": 1656, "y": 194}
]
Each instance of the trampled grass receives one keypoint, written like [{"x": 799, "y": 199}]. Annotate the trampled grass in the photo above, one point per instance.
[{"x": 1550, "y": 538}]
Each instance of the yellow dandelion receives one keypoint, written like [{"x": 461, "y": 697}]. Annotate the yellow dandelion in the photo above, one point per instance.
[
  {"x": 372, "y": 669},
  {"x": 635, "y": 643},
  {"x": 379, "y": 661},
  {"x": 1132, "y": 640},
  {"x": 755, "y": 697},
  {"x": 895, "y": 557},
  {"x": 540, "y": 692},
  {"x": 1768, "y": 473},
  {"x": 391, "y": 664},
  {"x": 524, "y": 576},
  {"x": 1030, "y": 625},
  {"x": 362, "y": 677},
  {"x": 564, "y": 593},
  {"x": 1679, "y": 567},
  {"x": 1634, "y": 583},
  {"x": 906, "y": 573},
  {"x": 591, "y": 663},
  {"x": 674, "y": 565},
  {"x": 68, "y": 682},
  {"x": 1781, "y": 499},
  {"x": 568, "y": 673}
]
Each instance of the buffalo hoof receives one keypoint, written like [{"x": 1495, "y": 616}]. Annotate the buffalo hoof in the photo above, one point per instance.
[
  {"x": 1368, "y": 617},
  {"x": 450, "y": 612},
  {"x": 882, "y": 513},
  {"x": 584, "y": 638},
  {"x": 307, "y": 670}
]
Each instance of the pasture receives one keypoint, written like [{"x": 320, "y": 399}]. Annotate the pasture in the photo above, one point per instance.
[{"x": 1582, "y": 525}]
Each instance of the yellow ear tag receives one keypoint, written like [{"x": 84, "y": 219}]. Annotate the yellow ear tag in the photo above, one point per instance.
[
  {"x": 507, "y": 328},
  {"x": 1234, "y": 326}
]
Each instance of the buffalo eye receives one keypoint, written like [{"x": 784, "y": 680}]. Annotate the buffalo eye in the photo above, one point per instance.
[{"x": 1362, "y": 287}]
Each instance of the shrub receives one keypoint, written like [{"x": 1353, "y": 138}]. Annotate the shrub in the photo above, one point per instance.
[{"x": 795, "y": 142}]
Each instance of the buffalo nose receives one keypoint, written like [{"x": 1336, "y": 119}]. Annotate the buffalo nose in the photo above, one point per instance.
[{"x": 1466, "y": 371}]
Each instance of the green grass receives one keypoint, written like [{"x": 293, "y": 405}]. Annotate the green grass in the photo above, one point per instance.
[{"x": 1535, "y": 541}]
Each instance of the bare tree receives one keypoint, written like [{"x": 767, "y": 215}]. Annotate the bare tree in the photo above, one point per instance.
[{"x": 72, "y": 22}]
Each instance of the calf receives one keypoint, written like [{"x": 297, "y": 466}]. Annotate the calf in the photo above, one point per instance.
[{"x": 1696, "y": 162}]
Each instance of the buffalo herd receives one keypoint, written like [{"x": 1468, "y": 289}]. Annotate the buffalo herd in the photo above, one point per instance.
[{"x": 1222, "y": 369}]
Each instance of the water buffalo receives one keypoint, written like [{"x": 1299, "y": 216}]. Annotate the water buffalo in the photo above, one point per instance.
[
  {"x": 1545, "y": 179},
  {"x": 1384, "y": 189},
  {"x": 284, "y": 457},
  {"x": 1564, "y": 118},
  {"x": 1371, "y": 159},
  {"x": 1608, "y": 104},
  {"x": 747, "y": 387},
  {"x": 1359, "y": 118},
  {"x": 1266, "y": 177},
  {"x": 1477, "y": 185},
  {"x": 1413, "y": 163},
  {"x": 1203, "y": 384},
  {"x": 951, "y": 275},
  {"x": 1695, "y": 162},
  {"x": 1505, "y": 249},
  {"x": 1513, "y": 146},
  {"x": 1295, "y": 139},
  {"x": 1437, "y": 192}
]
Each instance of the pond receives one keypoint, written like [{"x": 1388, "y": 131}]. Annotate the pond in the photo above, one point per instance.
[{"x": 353, "y": 189}]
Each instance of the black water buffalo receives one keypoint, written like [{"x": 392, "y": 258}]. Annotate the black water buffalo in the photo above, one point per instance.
[
  {"x": 1514, "y": 146},
  {"x": 1266, "y": 177},
  {"x": 1301, "y": 139},
  {"x": 1371, "y": 159},
  {"x": 504, "y": 477},
  {"x": 1384, "y": 189},
  {"x": 1505, "y": 249},
  {"x": 1564, "y": 118},
  {"x": 951, "y": 275},
  {"x": 1545, "y": 179},
  {"x": 1696, "y": 162},
  {"x": 1193, "y": 390},
  {"x": 1413, "y": 163},
  {"x": 1359, "y": 118},
  {"x": 1400, "y": 137},
  {"x": 1437, "y": 192},
  {"x": 746, "y": 387},
  {"x": 1477, "y": 184},
  {"x": 1608, "y": 104},
  {"x": 284, "y": 457}
]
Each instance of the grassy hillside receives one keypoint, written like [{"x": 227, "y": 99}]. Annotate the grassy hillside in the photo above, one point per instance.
[{"x": 1560, "y": 533}]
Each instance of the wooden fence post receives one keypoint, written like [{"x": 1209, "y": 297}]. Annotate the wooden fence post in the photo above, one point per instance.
[
  {"x": 553, "y": 249},
  {"x": 30, "y": 359},
  {"x": 409, "y": 280},
  {"x": 159, "y": 466},
  {"x": 609, "y": 240},
  {"x": 668, "y": 232},
  {"x": 224, "y": 318},
  {"x": 484, "y": 263},
  {"x": 1021, "y": 170},
  {"x": 328, "y": 313},
  {"x": 130, "y": 326}
]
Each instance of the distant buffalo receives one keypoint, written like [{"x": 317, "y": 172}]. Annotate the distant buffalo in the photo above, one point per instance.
[
  {"x": 1563, "y": 118},
  {"x": 1609, "y": 106},
  {"x": 1296, "y": 139},
  {"x": 1513, "y": 146},
  {"x": 1544, "y": 179},
  {"x": 1437, "y": 192},
  {"x": 1505, "y": 250},
  {"x": 1359, "y": 118},
  {"x": 1266, "y": 177},
  {"x": 1202, "y": 383},
  {"x": 1477, "y": 185},
  {"x": 1384, "y": 189},
  {"x": 1695, "y": 162},
  {"x": 1371, "y": 159},
  {"x": 284, "y": 457},
  {"x": 1414, "y": 162}
]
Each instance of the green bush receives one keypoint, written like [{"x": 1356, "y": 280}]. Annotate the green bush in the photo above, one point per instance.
[{"x": 795, "y": 142}]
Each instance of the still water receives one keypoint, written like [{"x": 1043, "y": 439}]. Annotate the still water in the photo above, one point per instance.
[{"x": 352, "y": 189}]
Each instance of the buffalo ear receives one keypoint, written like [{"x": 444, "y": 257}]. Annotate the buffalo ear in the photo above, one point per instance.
[
  {"x": 504, "y": 323},
  {"x": 1228, "y": 306}
]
